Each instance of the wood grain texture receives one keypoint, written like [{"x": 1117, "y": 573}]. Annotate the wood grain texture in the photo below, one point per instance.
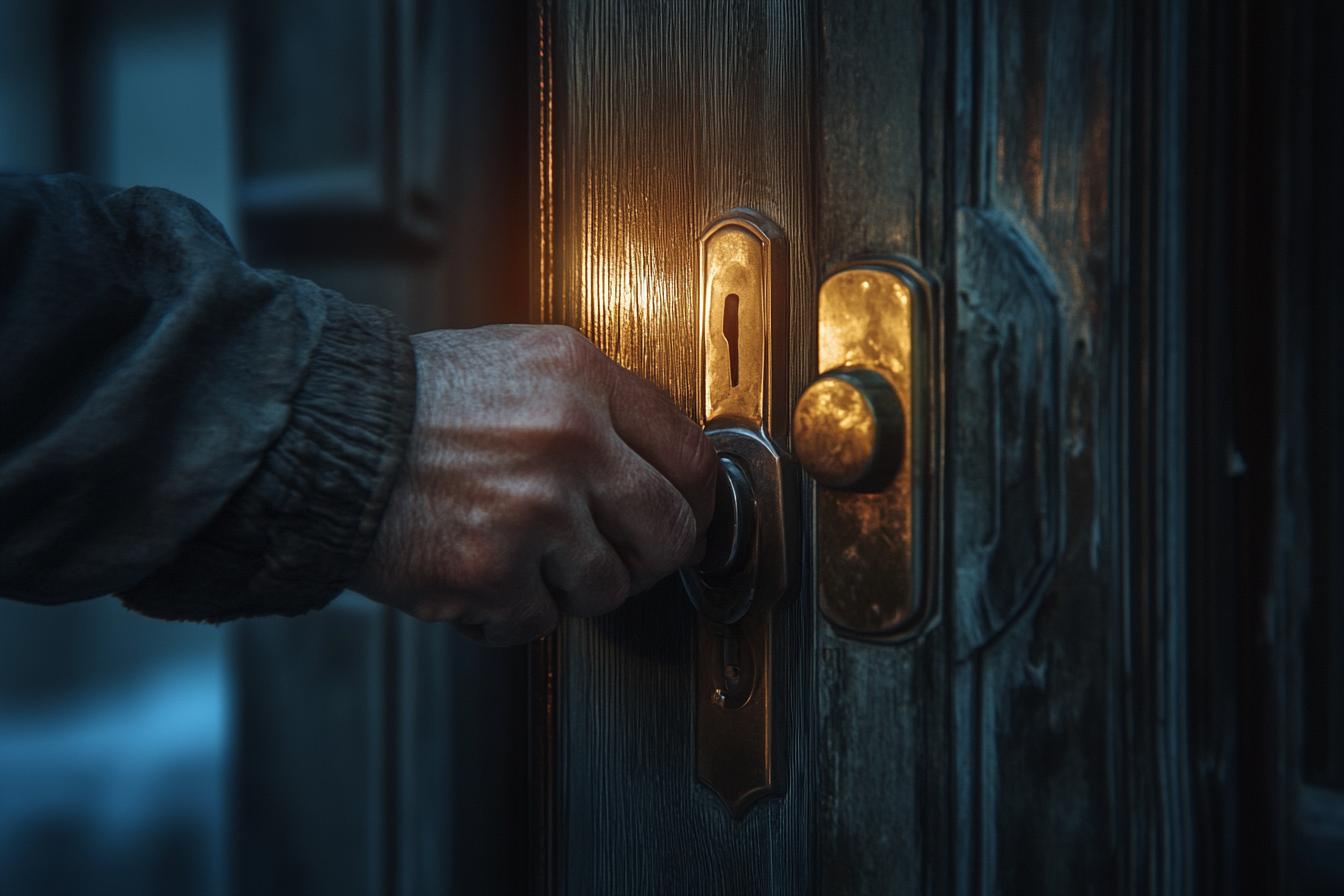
[
  {"x": 1072, "y": 724},
  {"x": 666, "y": 116},
  {"x": 883, "y": 824},
  {"x": 1008, "y": 768},
  {"x": 1039, "y": 739},
  {"x": 1028, "y": 755}
]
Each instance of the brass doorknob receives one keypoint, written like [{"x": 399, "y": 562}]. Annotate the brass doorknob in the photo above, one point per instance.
[{"x": 849, "y": 430}]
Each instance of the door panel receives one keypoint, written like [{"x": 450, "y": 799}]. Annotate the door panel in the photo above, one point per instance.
[
  {"x": 1036, "y": 552},
  {"x": 882, "y": 754},
  {"x": 665, "y": 119},
  {"x": 1023, "y": 153}
]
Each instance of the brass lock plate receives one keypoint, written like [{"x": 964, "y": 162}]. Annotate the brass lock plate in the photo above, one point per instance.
[
  {"x": 877, "y": 550},
  {"x": 744, "y": 322},
  {"x": 743, "y": 353}
]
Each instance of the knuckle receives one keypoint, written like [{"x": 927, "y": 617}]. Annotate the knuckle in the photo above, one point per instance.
[
  {"x": 566, "y": 422},
  {"x": 681, "y": 535},
  {"x": 549, "y": 504},
  {"x": 670, "y": 540},
  {"x": 484, "y": 566},
  {"x": 567, "y": 347},
  {"x": 572, "y": 424},
  {"x": 597, "y": 586},
  {"x": 609, "y": 586}
]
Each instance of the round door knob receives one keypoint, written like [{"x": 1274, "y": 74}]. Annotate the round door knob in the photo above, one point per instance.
[{"x": 849, "y": 430}]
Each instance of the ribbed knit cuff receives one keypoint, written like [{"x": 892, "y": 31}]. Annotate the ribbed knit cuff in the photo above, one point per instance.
[{"x": 291, "y": 538}]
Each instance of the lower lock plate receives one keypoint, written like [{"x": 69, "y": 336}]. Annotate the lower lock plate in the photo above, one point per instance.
[{"x": 734, "y": 698}]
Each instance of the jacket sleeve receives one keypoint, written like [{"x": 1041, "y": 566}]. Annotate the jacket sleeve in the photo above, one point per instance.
[{"x": 206, "y": 440}]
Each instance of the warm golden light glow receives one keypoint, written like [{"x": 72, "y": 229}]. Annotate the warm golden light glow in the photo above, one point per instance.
[
  {"x": 850, "y": 432},
  {"x": 867, "y": 326},
  {"x": 734, "y": 371}
]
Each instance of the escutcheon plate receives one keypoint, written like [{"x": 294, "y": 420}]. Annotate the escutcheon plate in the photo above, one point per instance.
[
  {"x": 877, "y": 553},
  {"x": 744, "y": 355}
]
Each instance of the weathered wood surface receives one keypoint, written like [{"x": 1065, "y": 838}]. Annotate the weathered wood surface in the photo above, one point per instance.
[
  {"x": 883, "y": 757},
  {"x": 1028, "y": 743},
  {"x": 1037, "y": 595}
]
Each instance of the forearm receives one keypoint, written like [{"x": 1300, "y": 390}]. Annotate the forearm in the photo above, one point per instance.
[
  {"x": 211, "y": 440},
  {"x": 301, "y": 526}
]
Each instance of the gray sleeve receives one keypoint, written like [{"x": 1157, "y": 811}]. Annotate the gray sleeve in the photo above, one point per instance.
[{"x": 207, "y": 440}]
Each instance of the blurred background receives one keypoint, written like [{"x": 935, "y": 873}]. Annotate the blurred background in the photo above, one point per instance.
[{"x": 378, "y": 147}]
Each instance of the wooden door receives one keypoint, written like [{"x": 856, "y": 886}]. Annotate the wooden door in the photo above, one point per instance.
[
  {"x": 1026, "y": 154},
  {"x": 1127, "y": 212}
]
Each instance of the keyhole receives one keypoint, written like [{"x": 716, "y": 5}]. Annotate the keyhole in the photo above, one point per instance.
[
  {"x": 732, "y": 672},
  {"x": 730, "y": 303}
]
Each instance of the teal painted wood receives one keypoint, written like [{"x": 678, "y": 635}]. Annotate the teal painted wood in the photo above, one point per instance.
[{"x": 884, "y": 758}]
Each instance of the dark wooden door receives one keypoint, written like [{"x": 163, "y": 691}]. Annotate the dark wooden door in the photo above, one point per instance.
[
  {"x": 1026, "y": 154},
  {"x": 1128, "y": 213}
]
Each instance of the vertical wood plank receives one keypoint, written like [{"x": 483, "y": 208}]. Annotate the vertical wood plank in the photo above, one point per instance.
[
  {"x": 1050, "y": 737},
  {"x": 666, "y": 116},
  {"x": 883, "y": 774}
]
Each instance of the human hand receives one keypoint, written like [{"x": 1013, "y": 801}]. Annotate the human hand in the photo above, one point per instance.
[{"x": 540, "y": 477}]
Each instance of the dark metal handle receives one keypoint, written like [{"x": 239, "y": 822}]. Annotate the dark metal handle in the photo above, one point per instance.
[{"x": 732, "y": 530}]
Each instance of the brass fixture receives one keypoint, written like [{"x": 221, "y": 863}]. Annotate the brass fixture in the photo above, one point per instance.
[
  {"x": 751, "y": 564},
  {"x": 867, "y": 430}
]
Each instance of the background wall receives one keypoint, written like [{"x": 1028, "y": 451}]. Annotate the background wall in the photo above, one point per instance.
[
  {"x": 352, "y": 750},
  {"x": 114, "y": 728}
]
